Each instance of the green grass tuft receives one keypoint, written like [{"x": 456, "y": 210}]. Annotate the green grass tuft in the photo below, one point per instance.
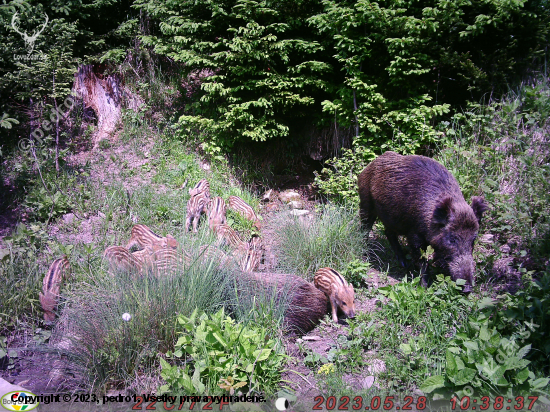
[{"x": 331, "y": 238}]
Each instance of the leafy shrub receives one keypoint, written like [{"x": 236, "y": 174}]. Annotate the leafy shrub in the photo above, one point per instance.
[
  {"x": 340, "y": 180},
  {"x": 485, "y": 363},
  {"x": 222, "y": 350},
  {"x": 22, "y": 271},
  {"x": 356, "y": 272},
  {"x": 524, "y": 316},
  {"x": 253, "y": 71},
  {"x": 21, "y": 278},
  {"x": 502, "y": 349},
  {"x": 411, "y": 329},
  {"x": 44, "y": 205}
]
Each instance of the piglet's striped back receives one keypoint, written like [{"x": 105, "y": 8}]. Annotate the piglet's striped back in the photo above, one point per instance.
[
  {"x": 201, "y": 187},
  {"x": 51, "y": 286},
  {"x": 240, "y": 206},
  {"x": 142, "y": 236}
]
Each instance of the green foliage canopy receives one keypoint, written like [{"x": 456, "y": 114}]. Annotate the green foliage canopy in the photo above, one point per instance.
[
  {"x": 258, "y": 62},
  {"x": 406, "y": 64}
]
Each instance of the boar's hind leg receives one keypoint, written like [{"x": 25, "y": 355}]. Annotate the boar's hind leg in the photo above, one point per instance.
[
  {"x": 367, "y": 213},
  {"x": 394, "y": 243}
]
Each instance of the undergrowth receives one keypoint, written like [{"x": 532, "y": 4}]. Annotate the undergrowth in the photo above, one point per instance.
[
  {"x": 110, "y": 352},
  {"x": 502, "y": 349},
  {"x": 412, "y": 328},
  {"x": 331, "y": 238}
]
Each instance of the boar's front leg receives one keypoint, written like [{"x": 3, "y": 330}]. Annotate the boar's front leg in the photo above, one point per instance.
[
  {"x": 419, "y": 244},
  {"x": 394, "y": 243}
]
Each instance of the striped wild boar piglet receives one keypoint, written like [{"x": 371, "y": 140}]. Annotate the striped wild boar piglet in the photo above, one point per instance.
[
  {"x": 340, "y": 294},
  {"x": 143, "y": 237},
  {"x": 51, "y": 286},
  {"x": 201, "y": 187},
  {"x": 121, "y": 259},
  {"x": 417, "y": 197},
  {"x": 196, "y": 206},
  {"x": 244, "y": 209},
  {"x": 216, "y": 213}
]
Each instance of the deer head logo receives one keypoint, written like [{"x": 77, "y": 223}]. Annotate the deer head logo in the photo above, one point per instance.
[{"x": 29, "y": 40}]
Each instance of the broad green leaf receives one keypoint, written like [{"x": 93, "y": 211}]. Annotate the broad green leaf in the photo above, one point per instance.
[
  {"x": 486, "y": 302},
  {"x": 471, "y": 345},
  {"x": 523, "y": 351},
  {"x": 405, "y": 348},
  {"x": 197, "y": 384},
  {"x": 262, "y": 355},
  {"x": 484, "y": 334},
  {"x": 220, "y": 339},
  {"x": 522, "y": 375},
  {"x": 464, "y": 376},
  {"x": 451, "y": 366},
  {"x": 540, "y": 383},
  {"x": 432, "y": 383}
]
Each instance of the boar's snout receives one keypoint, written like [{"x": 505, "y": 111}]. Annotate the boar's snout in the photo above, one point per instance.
[{"x": 463, "y": 267}]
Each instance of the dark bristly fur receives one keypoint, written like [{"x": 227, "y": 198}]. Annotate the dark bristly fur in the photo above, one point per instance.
[
  {"x": 307, "y": 305},
  {"x": 417, "y": 197}
]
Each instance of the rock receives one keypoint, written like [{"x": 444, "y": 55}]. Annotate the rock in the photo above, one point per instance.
[
  {"x": 311, "y": 338},
  {"x": 101, "y": 215},
  {"x": 68, "y": 218},
  {"x": 488, "y": 238},
  {"x": 368, "y": 382},
  {"x": 296, "y": 204},
  {"x": 297, "y": 212},
  {"x": 267, "y": 196},
  {"x": 377, "y": 366},
  {"x": 505, "y": 249},
  {"x": 289, "y": 195}
]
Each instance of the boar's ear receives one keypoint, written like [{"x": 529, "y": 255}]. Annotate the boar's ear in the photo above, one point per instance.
[
  {"x": 443, "y": 211},
  {"x": 479, "y": 207}
]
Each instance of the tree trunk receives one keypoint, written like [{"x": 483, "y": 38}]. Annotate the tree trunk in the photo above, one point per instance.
[
  {"x": 103, "y": 95},
  {"x": 56, "y": 130}
]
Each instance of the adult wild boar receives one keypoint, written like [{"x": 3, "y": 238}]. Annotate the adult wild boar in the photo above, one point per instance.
[{"x": 417, "y": 197}]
